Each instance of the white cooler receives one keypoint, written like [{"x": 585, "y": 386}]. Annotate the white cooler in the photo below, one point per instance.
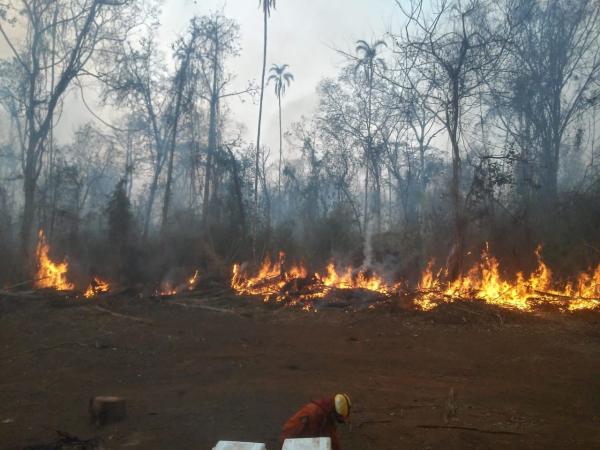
[
  {"x": 307, "y": 444},
  {"x": 228, "y": 445}
]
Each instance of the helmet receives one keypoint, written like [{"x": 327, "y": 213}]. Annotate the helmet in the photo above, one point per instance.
[{"x": 342, "y": 405}]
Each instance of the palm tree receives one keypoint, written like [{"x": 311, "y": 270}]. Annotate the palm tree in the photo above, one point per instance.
[
  {"x": 282, "y": 79},
  {"x": 369, "y": 61},
  {"x": 266, "y": 6}
]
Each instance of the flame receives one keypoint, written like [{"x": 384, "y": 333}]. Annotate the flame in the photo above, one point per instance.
[
  {"x": 297, "y": 285},
  {"x": 97, "y": 286},
  {"x": 190, "y": 284},
  {"x": 485, "y": 282},
  {"x": 193, "y": 281},
  {"x": 349, "y": 279},
  {"x": 50, "y": 274}
]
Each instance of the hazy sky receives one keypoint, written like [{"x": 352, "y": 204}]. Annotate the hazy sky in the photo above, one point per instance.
[{"x": 303, "y": 34}]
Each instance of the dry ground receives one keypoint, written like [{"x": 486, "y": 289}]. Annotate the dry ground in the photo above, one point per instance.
[{"x": 193, "y": 376}]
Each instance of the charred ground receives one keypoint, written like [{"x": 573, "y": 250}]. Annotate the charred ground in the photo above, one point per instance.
[{"x": 198, "y": 369}]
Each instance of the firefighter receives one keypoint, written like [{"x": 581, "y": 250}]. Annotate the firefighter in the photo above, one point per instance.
[{"x": 319, "y": 418}]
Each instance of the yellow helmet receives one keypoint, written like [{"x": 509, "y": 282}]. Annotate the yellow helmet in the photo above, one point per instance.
[{"x": 342, "y": 405}]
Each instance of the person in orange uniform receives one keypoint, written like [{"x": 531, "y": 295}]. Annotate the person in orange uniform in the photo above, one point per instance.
[{"x": 319, "y": 418}]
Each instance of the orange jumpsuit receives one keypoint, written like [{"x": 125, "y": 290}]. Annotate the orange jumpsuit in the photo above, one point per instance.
[{"x": 316, "y": 419}]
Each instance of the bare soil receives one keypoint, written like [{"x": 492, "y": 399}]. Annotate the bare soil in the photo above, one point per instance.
[{"x": 463, "y": 376}]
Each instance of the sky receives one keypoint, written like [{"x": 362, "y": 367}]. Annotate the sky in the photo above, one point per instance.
[{"x": 303, "y": 33}]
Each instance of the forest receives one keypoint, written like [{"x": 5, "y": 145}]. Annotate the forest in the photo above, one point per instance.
[
  {"x": 206, "y": 226},
  {"x": 468, "y": 124}
]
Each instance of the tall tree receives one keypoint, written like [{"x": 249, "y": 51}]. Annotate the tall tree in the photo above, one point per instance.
[
  {"x": 219, "y": 41},
  {"x": 184, "y": 52},
  {"x": 282, "y": 79},
  {"x": 455, "y": 50},
  {"x": 368, "y": 62},
  {"x": 553, "y": 63},
  {"x": 266, "y": 6},
  {"x": 61, "y": 38},
  {"x": 139, "y": 80}
]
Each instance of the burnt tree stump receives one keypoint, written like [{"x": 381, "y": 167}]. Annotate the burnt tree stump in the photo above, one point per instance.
[{"x": 105, "y": 410}]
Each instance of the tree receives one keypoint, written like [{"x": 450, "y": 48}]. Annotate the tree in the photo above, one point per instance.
[
  {"x": 62, "y": 37},
  {"x": 455, "y": 50},
  {"x": 368, "y": 61},
  {"x": 553, "y": 63},
  {"x": 219, "y": 41},
  {"x": 266, "y": 6},
  {"x": 138, "y": 79},
  {"x": 184, "y": 52},
  {"x": 282, "y": 79}
]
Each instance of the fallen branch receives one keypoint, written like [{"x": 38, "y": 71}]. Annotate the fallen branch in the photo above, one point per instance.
[
  {"x": 565, "y": 297},
  {"x": 119, "y": 315},
  {"x": 26, "y": 294},
  {"x": 204, "y": 307},
  {"x": 477, "y": 430}
]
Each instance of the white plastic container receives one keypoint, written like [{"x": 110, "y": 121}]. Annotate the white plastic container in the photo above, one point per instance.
[
  {"x": 228, "y": 445},
  {"x": 307, "y": 444}
]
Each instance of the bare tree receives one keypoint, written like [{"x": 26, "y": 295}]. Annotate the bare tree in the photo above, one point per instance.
[
  {"x": 138, "y": 79},
  {"x": 454, "y": 48},
  {"x": 548, "y": 81},
  {"x": 61, "y": 38}
]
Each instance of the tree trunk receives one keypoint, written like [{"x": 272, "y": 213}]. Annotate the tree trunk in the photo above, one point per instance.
[
  {"x": 455, "y": 260},
  {"x": 165, "y": 213},
  {"x": 280, "y": 148},
  {"x": 260, "y": 111},
  {"x": 151, "y": 197},
  {"x": 212, "y": 148},
  {"x": 29, "y": 185}
]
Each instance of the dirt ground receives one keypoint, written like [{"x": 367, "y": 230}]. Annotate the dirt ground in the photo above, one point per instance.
[{"x": 193, "y": 376}]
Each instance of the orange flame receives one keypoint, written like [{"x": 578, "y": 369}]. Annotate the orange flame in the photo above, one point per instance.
[
  {"x": 193, "y": 281},
  {"x": 484, "y": 282},
  {"x": 190, "y": 284},
  {"x": 50, "y": 275},
  {"x": 97, "y": 286},
  {"x": 295, "y": 285}
]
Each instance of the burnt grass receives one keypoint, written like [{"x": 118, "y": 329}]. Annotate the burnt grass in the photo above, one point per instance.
[{"x": 208, "y": 366}]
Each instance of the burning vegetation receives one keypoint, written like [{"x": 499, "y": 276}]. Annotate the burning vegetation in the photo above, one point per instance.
[
  {"x": 295, "y": 285},
  {"x": 97, "y": 286},
  {"x": 50, "y": 275},
  {"x": 484, "y": 282}
]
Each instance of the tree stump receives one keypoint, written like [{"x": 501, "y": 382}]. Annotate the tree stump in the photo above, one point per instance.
[{"x": 105, "y": 410}]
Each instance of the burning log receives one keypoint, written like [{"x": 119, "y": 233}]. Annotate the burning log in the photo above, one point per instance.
[{"x": 105, "y": 410}]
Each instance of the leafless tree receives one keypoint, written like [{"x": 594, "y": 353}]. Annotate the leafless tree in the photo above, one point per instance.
[{"x": 61, "y": 38}]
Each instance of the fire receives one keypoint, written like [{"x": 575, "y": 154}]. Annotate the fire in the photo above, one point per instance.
[
  {"x": 193, "y": 281},
  {"x": 297, "y": 285},
  {"x": 349, "y": 279},
  {"x": 485, "y": 282},
  {"x": 190, "y": 284},
  {"x": 50, "y": 274},
  {"x": 97, "y": 286}
]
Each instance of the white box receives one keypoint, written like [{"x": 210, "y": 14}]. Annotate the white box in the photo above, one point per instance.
[
  {"x": 307, "y": 444},
  {"x": 228, "y": 445}
]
